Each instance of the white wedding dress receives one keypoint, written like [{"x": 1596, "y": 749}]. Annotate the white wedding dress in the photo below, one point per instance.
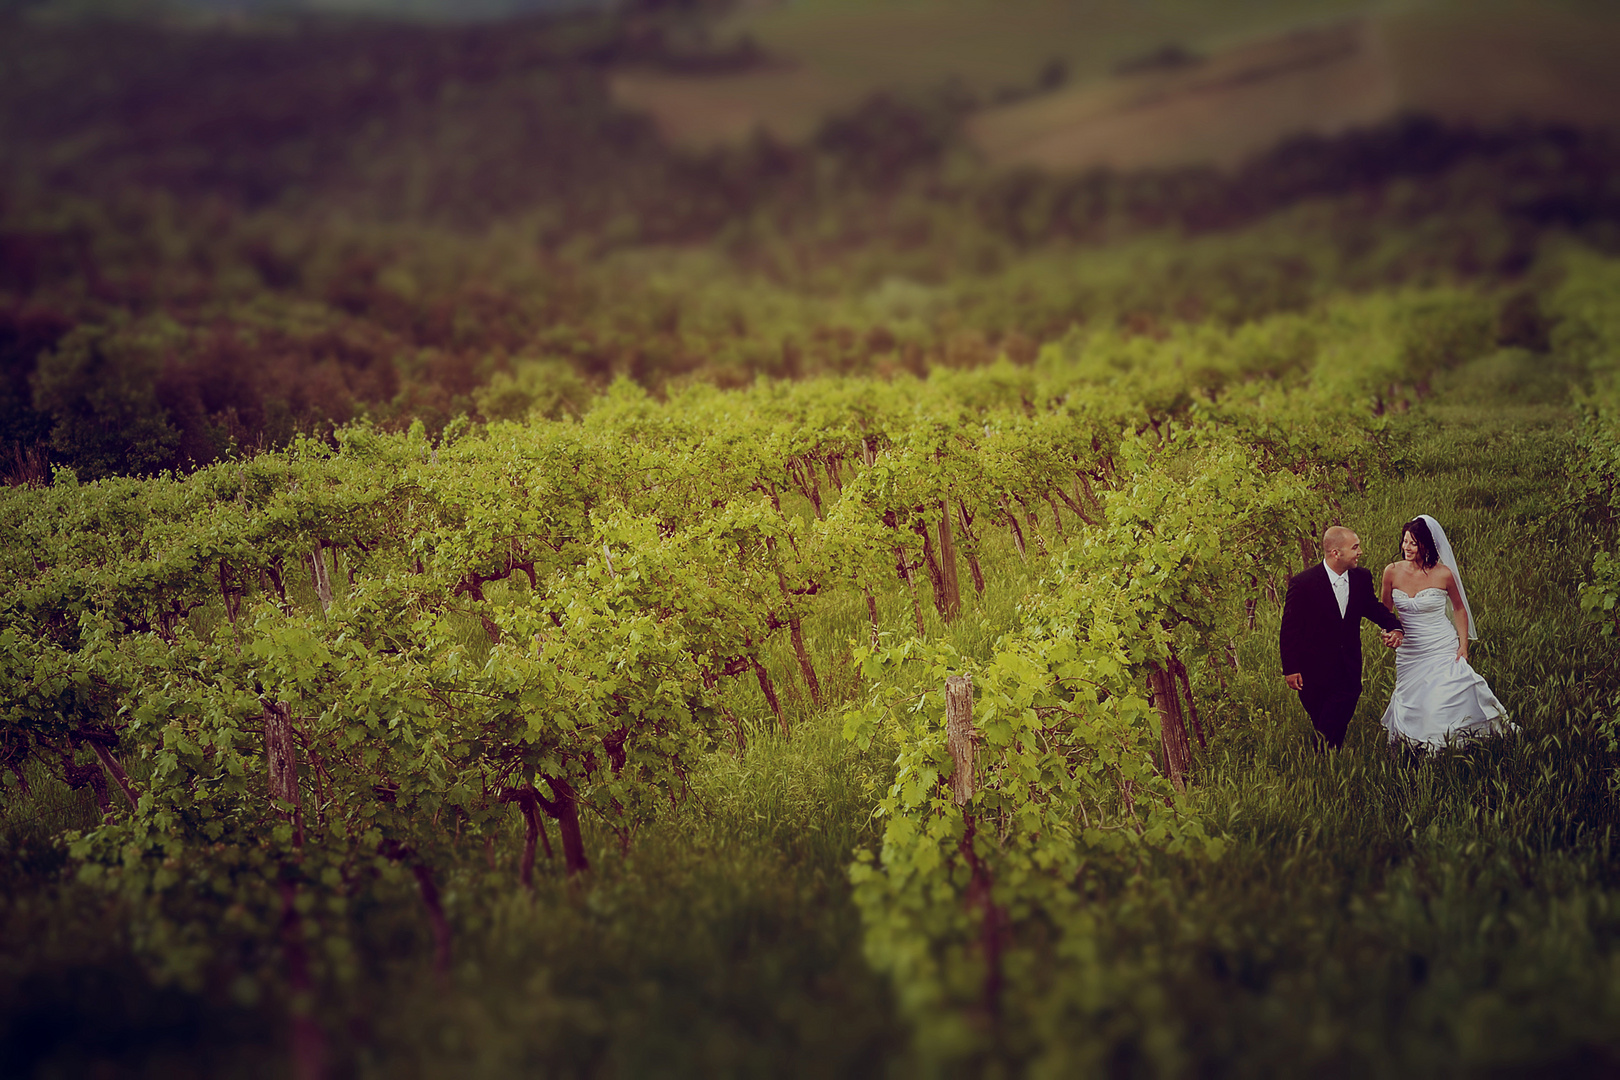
[{"x": 1438, "y": 697}]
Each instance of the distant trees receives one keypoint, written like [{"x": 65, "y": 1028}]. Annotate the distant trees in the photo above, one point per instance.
[
  {"x": 99, "y": 394},
  {"x": 413, "y": 223}
]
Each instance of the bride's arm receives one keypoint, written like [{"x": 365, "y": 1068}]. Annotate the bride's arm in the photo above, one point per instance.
[
  {"x": 1392, "y": 635},
  {"x": 1459, "y": 614}
]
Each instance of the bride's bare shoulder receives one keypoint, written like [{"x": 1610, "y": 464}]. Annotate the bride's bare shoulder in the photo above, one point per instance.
[{"x": 1442, "y": 576}]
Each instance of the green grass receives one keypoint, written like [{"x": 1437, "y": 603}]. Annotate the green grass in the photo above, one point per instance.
[{"x": 1445, "y": 914}]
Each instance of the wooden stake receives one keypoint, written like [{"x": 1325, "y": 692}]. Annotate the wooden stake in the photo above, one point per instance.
[
  {"x": 960, "y": 737},
  {"x": 281, "y": 756},
  {"x": 322, "y": 579}
]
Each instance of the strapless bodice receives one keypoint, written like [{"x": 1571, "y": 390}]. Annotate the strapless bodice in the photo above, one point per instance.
[
  {"x": 1422, "y": 600},
  {"x": 1425, "y": 614}
]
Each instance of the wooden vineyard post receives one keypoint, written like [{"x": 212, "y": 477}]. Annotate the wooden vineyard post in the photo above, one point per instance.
[
  {"x": 308, "y": 1041},
  {"x": 960, "y": 736},
  {"x": 321, "y": 577},
  {"x": 230, "y": 591},
  {"x": 281, "y": 757}
]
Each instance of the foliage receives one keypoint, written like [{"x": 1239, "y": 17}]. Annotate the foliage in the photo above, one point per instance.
[
  {"x": 663, "y": 546},
  {"x": 673, "y": 545},
  {"x": 380, "y": 552},
  {"x": 408, "y": 222}
]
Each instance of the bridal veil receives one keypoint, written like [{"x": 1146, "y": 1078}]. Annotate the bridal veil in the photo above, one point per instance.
[{"x": 1449, "y": 559}]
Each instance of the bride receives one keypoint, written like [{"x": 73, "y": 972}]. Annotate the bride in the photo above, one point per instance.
[{"x": 1438, "y": 696}]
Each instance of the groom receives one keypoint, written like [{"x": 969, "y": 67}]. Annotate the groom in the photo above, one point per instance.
[{"x": 1321, "y": 633}]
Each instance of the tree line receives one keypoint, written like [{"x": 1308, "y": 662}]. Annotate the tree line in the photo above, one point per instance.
[{"x": 403, "y": 223}]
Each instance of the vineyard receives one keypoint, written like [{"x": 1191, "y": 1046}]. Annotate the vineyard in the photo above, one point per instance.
[
  {"x": 298, "y": 726},
  {"x": 485, "y": 593}
]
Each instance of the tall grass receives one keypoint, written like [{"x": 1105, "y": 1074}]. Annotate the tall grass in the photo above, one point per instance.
[{"x": 1417, "y": 914}]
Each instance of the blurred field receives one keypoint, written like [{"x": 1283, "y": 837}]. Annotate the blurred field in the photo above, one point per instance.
[
  {"x": 1472, "y": 68},
  {"x": 413, "y": 222},
  {"x": 1222, "y": 108},
  {"x": 1076, "y": 85},
  {"x": 832, "y": 55}
]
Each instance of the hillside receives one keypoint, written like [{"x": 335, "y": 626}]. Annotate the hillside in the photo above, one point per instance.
[
  {"x": 1476, "y": 69},
  {"x": 240, "y": 232},
  {"x": 828, "y": 57},
  {"x": 1073, "y": 86}
]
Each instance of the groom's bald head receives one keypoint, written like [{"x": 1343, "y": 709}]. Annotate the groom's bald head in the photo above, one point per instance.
[{"x": 1341, "y": 548}]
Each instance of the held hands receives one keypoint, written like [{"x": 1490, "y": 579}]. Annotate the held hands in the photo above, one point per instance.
[{"x": 1391, "y": 639}]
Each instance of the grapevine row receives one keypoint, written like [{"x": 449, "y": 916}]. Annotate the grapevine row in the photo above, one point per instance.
[{"x": 300, "y": 683}]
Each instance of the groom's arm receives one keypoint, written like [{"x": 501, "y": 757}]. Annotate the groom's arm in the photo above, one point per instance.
[{"x": 1288, "y": 637}]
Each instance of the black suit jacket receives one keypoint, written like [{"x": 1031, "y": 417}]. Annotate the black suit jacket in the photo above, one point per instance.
[{"x": 1320, "y": 644}]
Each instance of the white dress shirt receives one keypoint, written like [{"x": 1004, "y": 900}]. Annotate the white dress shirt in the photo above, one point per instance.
[{"x": 1341, "y": 587}]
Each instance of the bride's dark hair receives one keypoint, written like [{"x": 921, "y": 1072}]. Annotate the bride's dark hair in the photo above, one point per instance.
[{"x": 1428, "y": 554}]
